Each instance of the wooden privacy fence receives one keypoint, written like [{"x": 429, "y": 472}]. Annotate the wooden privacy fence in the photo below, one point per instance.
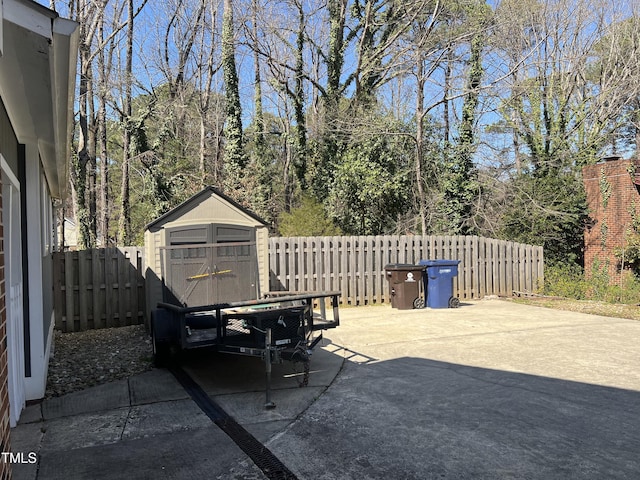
[
  {"x": 98, "y": 288},
  {"x": 355, "y": 265},
  {"x": 105, "y": 287}
]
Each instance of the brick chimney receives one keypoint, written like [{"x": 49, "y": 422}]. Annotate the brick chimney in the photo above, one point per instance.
[{"x": 613, "y": 195}]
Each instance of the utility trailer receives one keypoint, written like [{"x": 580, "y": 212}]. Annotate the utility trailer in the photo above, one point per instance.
[
  {"x": 280, "y": 327},
  {"x": 206, "y": 273}
]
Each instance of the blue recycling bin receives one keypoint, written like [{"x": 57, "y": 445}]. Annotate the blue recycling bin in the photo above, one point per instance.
[{"x": 438, "y": 283}]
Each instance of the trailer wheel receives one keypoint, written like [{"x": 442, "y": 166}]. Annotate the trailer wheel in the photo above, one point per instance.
[
  {"x": 300, "y": 356},
  {"x": 161, "y": 352},
  {"x": 161, "y": 348}
]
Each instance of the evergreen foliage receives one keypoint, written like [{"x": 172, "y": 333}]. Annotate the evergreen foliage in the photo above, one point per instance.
[
  {"x": 459, "y": 184},
  {"x": 568, "y": 280},
  {"x": 309, "y": 219},
  {"x": 370, "y": 189}
]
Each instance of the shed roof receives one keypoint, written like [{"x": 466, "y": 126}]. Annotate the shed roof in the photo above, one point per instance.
[{"x": 198, "y": 197}]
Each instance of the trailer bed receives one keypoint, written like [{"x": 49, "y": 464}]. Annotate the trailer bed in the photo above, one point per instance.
[{"x": 279, "y": 327}]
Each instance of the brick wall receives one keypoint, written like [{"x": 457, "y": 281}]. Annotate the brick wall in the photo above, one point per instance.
[
  {"x": 611, "y": 197},
  {"x": 5, "y": 468}
]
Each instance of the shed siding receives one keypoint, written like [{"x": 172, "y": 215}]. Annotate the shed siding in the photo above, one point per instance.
[{"x": 153, "y": 284}]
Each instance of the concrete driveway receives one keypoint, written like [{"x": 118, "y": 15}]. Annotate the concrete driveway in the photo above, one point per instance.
[{"x": 490, "y": 390}]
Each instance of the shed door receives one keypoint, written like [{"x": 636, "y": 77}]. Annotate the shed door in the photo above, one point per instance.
[
  {"x": 208, "y": 264},
  {"x": 187, "y": 261},
  {"x": 238, "y": 257}
]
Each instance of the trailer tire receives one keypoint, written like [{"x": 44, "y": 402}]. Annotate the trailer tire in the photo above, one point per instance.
[
  {"x": 161, "y": 347},
  {"x": 161, "y": 352}
]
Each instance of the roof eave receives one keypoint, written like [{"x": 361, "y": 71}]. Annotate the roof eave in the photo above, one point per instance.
[
  {"x": 37, "y": 82},
  {"x": 65, "y": 48}
]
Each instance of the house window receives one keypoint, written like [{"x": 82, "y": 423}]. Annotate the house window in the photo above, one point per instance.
[{"x": 188, "y": 252}]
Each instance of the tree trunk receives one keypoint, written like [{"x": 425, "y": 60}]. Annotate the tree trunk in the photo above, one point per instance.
[
  {"x": 79, "y": 175},
  {"x": 104, "y": 211},
  {"x": 234, "y": 157},
  {"x": 337, "y": 16},
  {"x": 422, "y": 201},
  {"x": 445, "y": 99},
  {"x": 264, "y": 190},
  {"x": 124, "y": 226},
  {"x": 298, "y": 102},
  {"x": 91, "y": 165}
]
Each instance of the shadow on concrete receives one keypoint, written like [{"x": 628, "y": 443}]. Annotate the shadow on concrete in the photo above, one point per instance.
[{"x": 419, "y": 418}]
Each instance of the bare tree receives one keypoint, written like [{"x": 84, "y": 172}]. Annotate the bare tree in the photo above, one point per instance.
[
  {"x": 264, "y": 188},
  {"x": 208, "y": 65},
  {"x": 573, "y": 75},
  {"x": 104, "y": 65},
  {"x": 83, "y": 173},
  {"x": 124, "y": 225}
]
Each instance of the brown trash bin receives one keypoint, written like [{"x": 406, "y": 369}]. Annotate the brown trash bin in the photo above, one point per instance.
[{"x": 404, "y": 285}]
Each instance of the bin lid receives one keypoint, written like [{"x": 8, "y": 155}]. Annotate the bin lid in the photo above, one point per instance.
[
  {"x": 439, "y": 263},
  {"x": 402, "y": 267}
]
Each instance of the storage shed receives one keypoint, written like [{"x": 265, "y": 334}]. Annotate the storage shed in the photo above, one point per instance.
[{"x": 207, "y": 250}]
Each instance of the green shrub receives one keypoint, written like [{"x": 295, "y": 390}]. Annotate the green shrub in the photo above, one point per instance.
[
  {"x": 569, "y": 281},
  {"x": 307, "y": 220},
  {"x": 626, "y": 290},
  {"x": 565, "y": 280}
]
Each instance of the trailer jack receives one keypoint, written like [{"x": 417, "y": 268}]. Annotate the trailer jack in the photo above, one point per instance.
[{"x": 268, "y": 354}]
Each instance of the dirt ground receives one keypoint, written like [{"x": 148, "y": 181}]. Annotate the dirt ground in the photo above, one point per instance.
[{"x": 631, "y": 312}]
